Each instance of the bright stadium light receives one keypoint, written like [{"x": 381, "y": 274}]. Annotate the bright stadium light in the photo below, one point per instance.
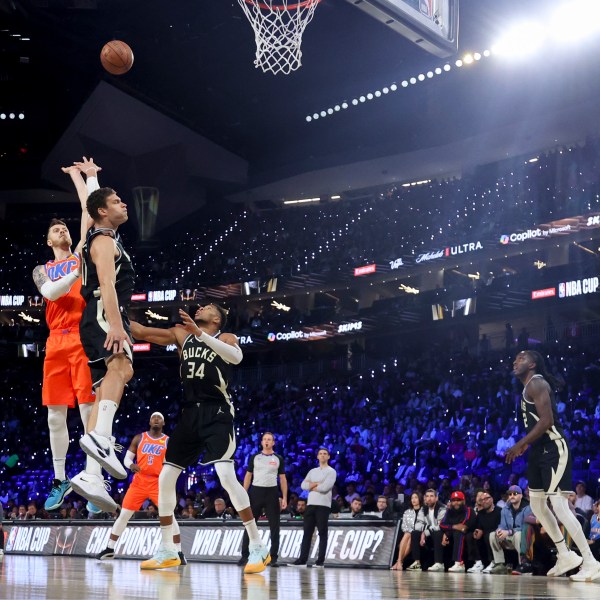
[
  {"x": 520, "y": 41},
  {"x": 574, "y": 21}
]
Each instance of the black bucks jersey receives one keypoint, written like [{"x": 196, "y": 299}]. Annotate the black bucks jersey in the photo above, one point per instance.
[
  {"x": 125, "y": 275},
  {"x": 531, "y": 417},
  {"x": 205, "y": 375}
]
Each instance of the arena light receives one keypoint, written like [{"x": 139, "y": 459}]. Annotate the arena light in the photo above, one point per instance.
[
  {"x": 575, "y": 21},
  {"x": 302, "y": 201},
  {"x": 521, "y": 40}
]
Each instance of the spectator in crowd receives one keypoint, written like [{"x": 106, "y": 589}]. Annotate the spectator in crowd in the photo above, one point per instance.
[
  {"x": 594, "y": 537},
  {"x": 457, "y": 522},
  {"x": 487, "y": 522},
  {"x": 356, "y": 508},
  {"x": 583, "y": 502},
  {"x": 409, "y": 519},
  {"x": 427, "y": 534},
  {"x": 508, "y": 535}
]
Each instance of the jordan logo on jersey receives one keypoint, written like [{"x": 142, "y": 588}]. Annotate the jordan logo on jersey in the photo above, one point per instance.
[{"x": 59, "y": 270}]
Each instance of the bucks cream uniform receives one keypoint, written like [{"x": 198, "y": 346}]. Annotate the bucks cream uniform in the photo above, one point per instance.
[{"x": 205, "y": 429}]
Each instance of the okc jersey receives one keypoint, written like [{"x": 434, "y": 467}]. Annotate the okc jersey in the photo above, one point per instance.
[
  {"x": 125, "y": 275},
  {"x": 151, "y": 454},
  {"x": 66, "y": 311},
  {"x": 204, "y": 373},
  {"x": 530, "y": 416}
]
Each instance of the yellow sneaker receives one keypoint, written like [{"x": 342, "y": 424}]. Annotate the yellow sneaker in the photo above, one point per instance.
[
  {"x": 163, "y": 559},
  {"x": 258, "y": 560}
]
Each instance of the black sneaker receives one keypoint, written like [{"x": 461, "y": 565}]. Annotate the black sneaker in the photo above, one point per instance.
[
  {"x": 525, "y": 568},
  {"x": 182, "y": 558},
  {"x": 319, "y": 565},
  {"x": 274, "y": 563},
  {"x": 106, "y": 554},
  {"x": 242, "y": 562},
  {"x": 298, "y": 563}
]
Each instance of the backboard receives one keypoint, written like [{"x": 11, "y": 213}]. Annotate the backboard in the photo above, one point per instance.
[{"x": 432, "y": 24}]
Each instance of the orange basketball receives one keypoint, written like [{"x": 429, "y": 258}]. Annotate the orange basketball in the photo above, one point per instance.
[{"x": 116, "y": 57}]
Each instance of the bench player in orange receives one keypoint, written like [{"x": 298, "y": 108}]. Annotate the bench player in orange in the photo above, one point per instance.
[
  {"x": 148, "y": 450},
  {"x": 67, "y": 377}
]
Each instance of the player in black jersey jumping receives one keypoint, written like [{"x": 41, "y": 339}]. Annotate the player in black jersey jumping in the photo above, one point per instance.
[
  {"x": 205, "y": 426},
  {"x": 549, "y": 465},
  {"x": 107, "y": 281}
]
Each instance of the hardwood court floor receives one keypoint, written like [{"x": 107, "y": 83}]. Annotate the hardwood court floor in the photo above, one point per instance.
[{"x": 66, "y": 578}]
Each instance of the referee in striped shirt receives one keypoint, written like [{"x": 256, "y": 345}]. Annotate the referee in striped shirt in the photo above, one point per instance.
[{"x": 263, "y": 470}]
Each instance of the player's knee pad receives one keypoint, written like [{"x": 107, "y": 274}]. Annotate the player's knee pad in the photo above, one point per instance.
[
  {"x": 238, "y": 495},
  {"x": 57, "y": 418},
  {"x": 167, "y": 497}
]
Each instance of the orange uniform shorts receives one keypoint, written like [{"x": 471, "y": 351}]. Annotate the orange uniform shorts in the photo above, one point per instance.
[
  {"x": 67, "y": 375},
  {"x": 139, "y": 491}
]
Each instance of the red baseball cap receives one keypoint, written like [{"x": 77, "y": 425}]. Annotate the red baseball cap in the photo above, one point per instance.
[{"x": 457, "y": 496}]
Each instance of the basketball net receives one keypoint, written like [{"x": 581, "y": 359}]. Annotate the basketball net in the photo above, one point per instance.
[{"x": 278, "y": 28}]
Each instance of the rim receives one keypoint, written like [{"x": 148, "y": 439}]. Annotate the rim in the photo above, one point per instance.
[{"x": 281, "y": 7}]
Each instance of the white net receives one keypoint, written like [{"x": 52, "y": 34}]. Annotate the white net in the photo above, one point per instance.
[{"x": 278, "y": 28}]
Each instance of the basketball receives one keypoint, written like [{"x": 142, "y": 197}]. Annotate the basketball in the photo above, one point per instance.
[{"x": 116, "y": 57}]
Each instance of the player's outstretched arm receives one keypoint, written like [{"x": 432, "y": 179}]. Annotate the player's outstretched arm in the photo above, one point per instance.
[
  {"x": 155, "y": 335},
  {"x": 226, "y": 346},
  {"x": 53, "y": 290}
]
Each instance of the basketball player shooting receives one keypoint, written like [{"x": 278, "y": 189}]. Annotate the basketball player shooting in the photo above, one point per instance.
[
  {"x": 66, "y": 378},
  {"x": 205, "y": 426}
]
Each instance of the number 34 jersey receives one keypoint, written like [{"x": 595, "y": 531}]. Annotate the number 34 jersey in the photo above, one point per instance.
[{"x": 204, "y": 374}]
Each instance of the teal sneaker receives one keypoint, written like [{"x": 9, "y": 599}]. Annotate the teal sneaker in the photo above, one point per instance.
[
  {"x": 92, "y": 508},
  {"x": 57, "y": 494}
]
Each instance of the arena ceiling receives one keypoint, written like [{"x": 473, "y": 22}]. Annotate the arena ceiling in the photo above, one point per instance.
[{"x": 195, "y": 116}]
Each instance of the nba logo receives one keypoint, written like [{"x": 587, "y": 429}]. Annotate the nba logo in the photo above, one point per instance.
[
  {"x": 561, "y": 290},
  {"x": 426, "y": 8}
]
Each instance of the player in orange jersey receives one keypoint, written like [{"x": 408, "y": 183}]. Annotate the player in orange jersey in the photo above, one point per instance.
[
  {"x": 67, "y": 376},
  {"x": 148, "y": 450}
]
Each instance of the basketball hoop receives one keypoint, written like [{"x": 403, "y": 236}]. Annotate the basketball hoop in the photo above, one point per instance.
[{"x": 278, "y": 28}]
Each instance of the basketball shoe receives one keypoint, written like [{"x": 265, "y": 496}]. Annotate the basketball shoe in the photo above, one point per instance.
[
  {"x": 182, "y": 558},
  {"x": 106, "y": 554},
  {"x": 92, "y": 508},
  {"x": 102, "y": 449},
  {"x": 57, "y": 494},
  {"x": 588, "y": 572},
  {"x": 564, "y": 563},
  {"x": 163, "y": 559},
  {"x": 94, "y": 489},
  {"x": 258, "y": 560}
]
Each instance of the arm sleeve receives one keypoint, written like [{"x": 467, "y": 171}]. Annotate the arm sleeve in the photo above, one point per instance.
[
  {"x": 444, "y": 526},
  {"x": 128, "y": 460},
  {"x": 53, "y": 290},
  {"x": 229, "y": 353},
  {"x": 325, "y": 486},
  {"x": 250, "y": 467},
  {"x": 92, "y": 184}
]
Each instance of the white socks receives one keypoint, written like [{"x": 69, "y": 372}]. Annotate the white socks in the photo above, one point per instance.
[{"x": 106, "y": 414}]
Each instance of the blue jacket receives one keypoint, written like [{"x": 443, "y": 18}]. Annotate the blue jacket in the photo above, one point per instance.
[{"x": 511, "y": 519}]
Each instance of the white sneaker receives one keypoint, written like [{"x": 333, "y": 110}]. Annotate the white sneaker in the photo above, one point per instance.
[
  {"x": 436, "y": 568},
  {"x": 476, "y": 568},
  {"x": 416, "y": 566},
  {"x": 102, "y": 449},
  {"x": 489, "y": 568},
  {"x": 94, "y": 489},
  {"x": 457, "y": 567},
  {"x": 564, "y": 563},
  {"x": 588, "y": 572},
  {"x": 258, "y": 560}
]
